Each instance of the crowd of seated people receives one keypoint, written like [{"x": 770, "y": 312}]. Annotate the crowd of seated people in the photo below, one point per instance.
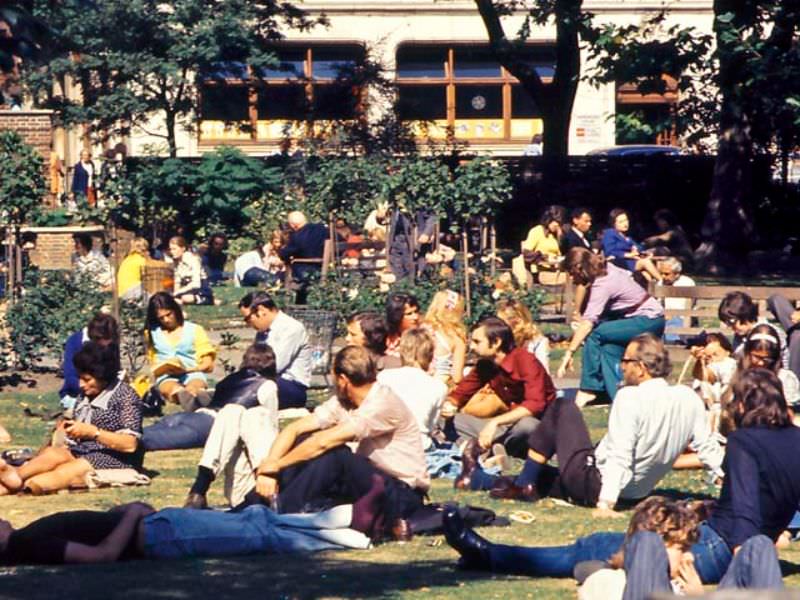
[{"x": 359, "y": 467}]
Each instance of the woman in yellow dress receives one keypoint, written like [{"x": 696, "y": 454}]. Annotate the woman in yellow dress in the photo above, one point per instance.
[{"x": 542, "y": 248}]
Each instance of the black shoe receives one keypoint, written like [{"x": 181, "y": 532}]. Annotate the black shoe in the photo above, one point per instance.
[
  {"x": 474, "y": 550},
  {"x": 196, "y": 501}
]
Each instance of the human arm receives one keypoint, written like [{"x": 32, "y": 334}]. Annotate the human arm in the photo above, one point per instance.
[
  {"x": 618, "y": 446},
  {"x": 121, "y": 442},
  {"x": 535, "y": 237},
  {"x": 471, "y": 383},
  {"x": 487, "y": 434},
  {"x": 459, "y": 359},
  {"x": 266, "y": 485},
  {"x": 703, "y": 441},
  {"x": 583, "y": 330},
  {"x": 112, "y": 547},
  {"x": 204, "y": 351},
  {"x": 314, "y": 446},
  {"x": 741, "y": 488}
]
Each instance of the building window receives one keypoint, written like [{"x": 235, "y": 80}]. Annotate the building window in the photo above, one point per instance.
[
  {"x": 462, "y": 87},
  {"x": 309, "y": 83},
  {"x": 646, "y": 118}
]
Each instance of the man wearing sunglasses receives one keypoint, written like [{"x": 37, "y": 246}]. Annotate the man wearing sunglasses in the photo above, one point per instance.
[
  {"x": 288, "y": 339},
  {"x": 651, "y": 422}
]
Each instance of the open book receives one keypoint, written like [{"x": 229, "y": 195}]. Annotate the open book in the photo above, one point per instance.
[{"x": 171, "y": 366}]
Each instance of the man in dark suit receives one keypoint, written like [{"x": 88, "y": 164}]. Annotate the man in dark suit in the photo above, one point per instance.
[
  {"x": 306, "y": 240},
  {"x": 576, "y": 236}
]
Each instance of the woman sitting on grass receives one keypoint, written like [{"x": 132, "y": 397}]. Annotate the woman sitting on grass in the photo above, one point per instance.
[
  {"x": 526, "y": 333},
  {"x": 179, "y": 352},
  {"x": 104, "y": 433},
  {"x": 445, "y": 319}
]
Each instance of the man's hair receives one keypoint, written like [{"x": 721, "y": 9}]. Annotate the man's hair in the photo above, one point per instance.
[
  {"x": 652, "y": 353},
  {"x": 373, "y": 326},
  {"x": 416, "y": 348},
  {"x": 97, "y": 360},
  {"x": 85, "y": 240},
  {"x": 758, "y": 400},
  {"x": 578, "y": 212},
  {"x": 674, "y": 520},
  {"x": 584, "y": 266},
  {"x": 103, "y": 328},
  {"x": 162, "y": 301},
  {"x": 497, "y": 329},
  {"x": 357, "y": 364},
  {"x": 218, "y": 236},
  {"x": 255, "y": 299},
  {"x": 395, "y": 309},
  {"x": 260, "y": 358},
  {"x": 738, "y": 306},
  {"x": 673, "y": 263}
]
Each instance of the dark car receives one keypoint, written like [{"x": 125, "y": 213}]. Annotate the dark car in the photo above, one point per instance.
[{"x": 636, "y": 150}]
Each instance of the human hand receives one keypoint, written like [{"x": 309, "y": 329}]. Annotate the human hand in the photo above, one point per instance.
[
  {"x": 266, "y": 486},
  {"x": 795, "y": 318},
  {"x": 424, "y": 239},
  {"x": 566, "y": 365},
  {"x": 688, "y": 576},
  {"x": 448, "y": 410},
  {"x": 80, "y": 431},
  {"x": 487, "y": 435}
]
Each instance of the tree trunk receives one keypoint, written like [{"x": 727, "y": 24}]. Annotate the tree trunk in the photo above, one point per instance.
[{"x": 172, "y": 142}]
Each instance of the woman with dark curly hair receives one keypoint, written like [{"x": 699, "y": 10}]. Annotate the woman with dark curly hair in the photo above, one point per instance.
[
  {"x": 402, "y": 313},
  {"x": 104, "y": 433}
]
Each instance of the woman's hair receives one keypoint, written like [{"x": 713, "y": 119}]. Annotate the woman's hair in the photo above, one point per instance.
[
  {"x": 373, "y": 327},
  {"x": 162, "y": 301},
  {"x": 763, "y": 338},
  {"x": 395, "y": 309},
  {"x": 584, "y": 266},
  {"x": 612, "y": 216},
  {"x": 721, "y": 339},
  {"x": 103, "y": 329},
  {"x": 737, "y": 306},
  {"x": 519, "y": 318},
  {"x": 416, "y": 348},
  {"x": 179, "y": 240},
  {"x": 758, "y": 400},
  {"x": 675, "y": 521},
  {"x": 260, "y": 358},
  {"x": 85, "y": 240},
  {"x": 141, "y": 246},
  {"x": 551, "y": 213},
  {"x": 98, "y": 360},
  {"x": 446, "y": 314}
]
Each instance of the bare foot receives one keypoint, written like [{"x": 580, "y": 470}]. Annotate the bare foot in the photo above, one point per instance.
[
  {"x": 9, "y": 478},
  {"x": 5, "y": 437}
]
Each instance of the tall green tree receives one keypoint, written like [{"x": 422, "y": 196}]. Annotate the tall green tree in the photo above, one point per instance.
[{"x": 136, "y": 62}]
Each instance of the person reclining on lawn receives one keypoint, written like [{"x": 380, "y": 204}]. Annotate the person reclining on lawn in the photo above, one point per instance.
[
  {"x": 515, "y": 376},
  {"x": 760, "y": 494},
  {"x": 136, "y": 530},
  {"x": 310, "y": 465},
  {"x": 650, "y": 424}
]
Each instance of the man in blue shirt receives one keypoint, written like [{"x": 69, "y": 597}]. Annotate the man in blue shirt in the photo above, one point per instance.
[
  {"x": 288, "y": 339},
  {"x": 306, "y": 241}
]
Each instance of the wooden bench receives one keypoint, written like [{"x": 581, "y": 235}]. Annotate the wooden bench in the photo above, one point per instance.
[{"x": 703, "y": 304}]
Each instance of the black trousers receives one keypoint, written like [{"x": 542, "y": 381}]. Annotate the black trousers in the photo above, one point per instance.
[
  {"x": 563, "y": 431},
  {"x": 341, "y": 477}
]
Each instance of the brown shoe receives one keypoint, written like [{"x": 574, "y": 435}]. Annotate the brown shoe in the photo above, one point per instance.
[
  {"x": 469, "y": 462},
  {"x": 506, "y": 489}
]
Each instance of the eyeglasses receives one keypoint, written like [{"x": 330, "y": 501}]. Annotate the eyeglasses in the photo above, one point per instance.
[{"x": 629, "y": 360}]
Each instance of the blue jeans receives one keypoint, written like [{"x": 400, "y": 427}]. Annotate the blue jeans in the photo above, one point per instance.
[
  {"x": 603, "y": 350},
  {"x": 647, "y": 566},
  {"x": 178, "y": 431},
  {"x": 179, "y": 533},
  {"x": 711, "y": 555}
]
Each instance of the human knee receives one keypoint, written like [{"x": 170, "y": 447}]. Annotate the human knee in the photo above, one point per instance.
[
  {"x": 758, "y": 544},
  {"x": 644, "y": 542}
]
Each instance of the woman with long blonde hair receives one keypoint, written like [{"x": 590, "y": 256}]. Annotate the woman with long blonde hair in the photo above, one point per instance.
[
  {"x": 129, "y": 276},
  {"x": 526, "y": 333},
  {"x": 445, "y": 318}
]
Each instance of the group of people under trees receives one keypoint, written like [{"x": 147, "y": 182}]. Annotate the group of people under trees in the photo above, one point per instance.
[{"x": 358, "y": 468}]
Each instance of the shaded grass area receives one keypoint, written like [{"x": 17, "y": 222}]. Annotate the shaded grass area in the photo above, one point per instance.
[{"x": 422, "y": 568}]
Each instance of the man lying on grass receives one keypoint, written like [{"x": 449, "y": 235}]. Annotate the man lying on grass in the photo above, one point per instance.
[{"x": 137, "y": 530}]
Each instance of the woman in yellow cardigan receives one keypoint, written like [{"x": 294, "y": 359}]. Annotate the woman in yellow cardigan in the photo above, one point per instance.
[
  {"x": 129, "y": 276},
  {"x": 542, "y": 248}
]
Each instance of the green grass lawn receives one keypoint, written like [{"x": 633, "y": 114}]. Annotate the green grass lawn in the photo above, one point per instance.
[{"x": 422, "y": 568}]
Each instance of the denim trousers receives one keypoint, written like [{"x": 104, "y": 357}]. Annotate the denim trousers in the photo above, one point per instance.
[
  {"x": 603, "y": 350},
  {"x": 179, "y": 533},
  {"x": 647, "y": 567},
  {"x": 178, "y": 431},
  {"x": 711, "y": 555}
]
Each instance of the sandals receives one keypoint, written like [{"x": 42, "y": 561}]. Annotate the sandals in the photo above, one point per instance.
[{"x": 18, "y": 456}]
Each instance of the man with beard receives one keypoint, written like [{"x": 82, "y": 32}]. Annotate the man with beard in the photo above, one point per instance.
[{"x": 310, "y": 466}]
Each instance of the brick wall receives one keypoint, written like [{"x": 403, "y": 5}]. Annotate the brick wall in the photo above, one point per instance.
[
  {"x": 55, "y": 246},
  {"x": 35, "y": 127}
]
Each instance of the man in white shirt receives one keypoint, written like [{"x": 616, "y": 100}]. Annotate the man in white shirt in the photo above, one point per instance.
[
  {"x": 310, "y": 464},
  {"x": 422, "y": 393},
  {"x": 288, "y": 338},
  {"x": 671, "y": 271},
  {"x": 650, "y": 424}
]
